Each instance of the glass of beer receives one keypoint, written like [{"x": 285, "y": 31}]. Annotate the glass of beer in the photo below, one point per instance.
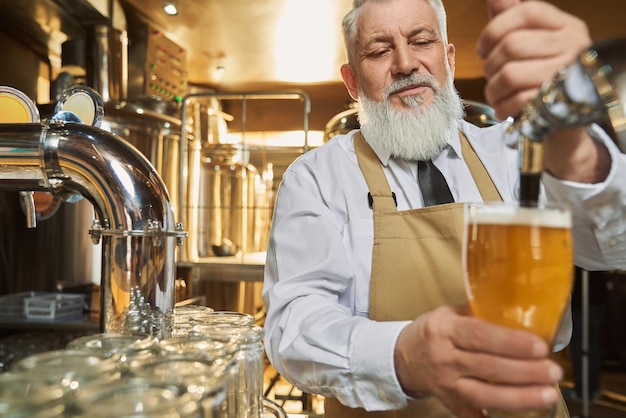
[{"x": 518, "y": 266}]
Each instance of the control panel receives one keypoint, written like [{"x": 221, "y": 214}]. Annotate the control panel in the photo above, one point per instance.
[
  {"x": 157, "y": 65},
  {"x": 166, "y": 70}
]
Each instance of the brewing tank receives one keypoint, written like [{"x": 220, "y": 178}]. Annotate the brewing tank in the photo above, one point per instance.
[{"x": 227, "y": 202}]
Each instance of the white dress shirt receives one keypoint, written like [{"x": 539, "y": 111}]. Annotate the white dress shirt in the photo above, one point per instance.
[{"x": 317, "y": 273}]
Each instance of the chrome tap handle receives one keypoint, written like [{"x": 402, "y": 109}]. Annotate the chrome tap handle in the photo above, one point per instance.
[
  {"x": 591, "y": 90},
  {"x": 569, "y": 99},
  {"x": 28, "y": 203}
]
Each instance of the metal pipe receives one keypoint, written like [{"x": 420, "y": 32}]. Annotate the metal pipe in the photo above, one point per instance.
[
  {"x": 584, "y": 279},
  {"x": 135, "y": 217},
  {"x": 107, "y": 62}
]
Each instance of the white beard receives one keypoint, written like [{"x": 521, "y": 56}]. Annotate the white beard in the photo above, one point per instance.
[{"x": 418, "y": 133}]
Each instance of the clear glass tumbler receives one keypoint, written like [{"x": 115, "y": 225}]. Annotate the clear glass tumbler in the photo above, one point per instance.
[
  {"x": 203, "y": 348},
  {"x": 130, "y": 348},
  {"x": 250, "y": 358},
  {"x": 205, "y": 379},
  {"x": 70, "y": 368},
  {"x": 23, "y": 395},
  {"x": 135, "y": 397}
]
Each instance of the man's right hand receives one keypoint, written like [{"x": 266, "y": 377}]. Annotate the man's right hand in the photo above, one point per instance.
[
  {"x": 523, "y": 45},
  {"x": 457, "y": 358}
]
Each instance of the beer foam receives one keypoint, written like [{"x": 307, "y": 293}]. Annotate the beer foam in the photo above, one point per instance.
[{"x": 511, "y": 215}]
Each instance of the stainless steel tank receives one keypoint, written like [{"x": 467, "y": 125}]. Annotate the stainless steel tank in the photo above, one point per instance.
[
  {"x": 224, "y": 201},
  {"x": 227, "y": 202},
  {"x": 219, "y": 187}
]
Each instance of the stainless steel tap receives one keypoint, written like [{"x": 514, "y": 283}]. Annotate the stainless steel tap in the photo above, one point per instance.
[
  {"x": 134, "y": 214},
  {"x": 590, "y": 90}
]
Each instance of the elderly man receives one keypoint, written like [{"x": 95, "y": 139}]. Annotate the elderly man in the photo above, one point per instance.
[{"x": 363, "y": 285}]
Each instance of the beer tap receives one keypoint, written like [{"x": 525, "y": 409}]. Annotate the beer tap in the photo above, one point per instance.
[
  {"x": 69, "y": 157},
  {"x": 78, "y": 104},
  {"x": 590, "y": 90}
]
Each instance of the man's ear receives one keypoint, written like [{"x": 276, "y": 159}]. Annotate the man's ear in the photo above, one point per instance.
[
  {"x": 350, "y": 81},
  {"x": 451, "y": 56}
]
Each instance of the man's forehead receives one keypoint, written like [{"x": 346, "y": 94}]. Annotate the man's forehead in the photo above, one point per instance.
[
  {"x": 377, "y": 22},
  {"x": 380, "y": 17}
]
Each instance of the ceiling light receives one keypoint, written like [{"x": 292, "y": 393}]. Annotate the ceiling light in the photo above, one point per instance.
[
  {"x": 170, "y": 8},
  {"x": 299, "y": 55}
]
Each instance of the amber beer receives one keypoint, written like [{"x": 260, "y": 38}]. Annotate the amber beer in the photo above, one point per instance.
[{"x": 518, "y": 265}]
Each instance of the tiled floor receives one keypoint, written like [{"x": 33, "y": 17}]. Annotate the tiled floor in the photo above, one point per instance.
[{"x": 612, "y": 404}]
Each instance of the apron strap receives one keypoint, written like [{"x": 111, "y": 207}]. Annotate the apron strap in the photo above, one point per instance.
[
  {"x": 382, "y": 198},
  {"x": 485, "y": 185}
]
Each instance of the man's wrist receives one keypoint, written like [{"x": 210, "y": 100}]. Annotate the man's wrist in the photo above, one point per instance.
[{"x": 576, "y": 155}]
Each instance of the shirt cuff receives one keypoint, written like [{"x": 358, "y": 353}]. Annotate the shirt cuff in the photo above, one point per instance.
[
  {"x": 598, "y": 205},
  {"x": 373, "y": 366}
]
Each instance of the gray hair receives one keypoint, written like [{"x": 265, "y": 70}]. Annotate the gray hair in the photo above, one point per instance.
[{"x": 349, "y": 21}]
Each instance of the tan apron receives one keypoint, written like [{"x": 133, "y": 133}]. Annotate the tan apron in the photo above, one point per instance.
[{"x": 416, "y": 264}]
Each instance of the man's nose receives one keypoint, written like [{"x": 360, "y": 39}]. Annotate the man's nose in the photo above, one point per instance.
[{"x": 405, "y": 61}]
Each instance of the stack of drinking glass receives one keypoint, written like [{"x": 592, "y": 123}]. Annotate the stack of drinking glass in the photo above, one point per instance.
[{"x": 211, "y": 367}]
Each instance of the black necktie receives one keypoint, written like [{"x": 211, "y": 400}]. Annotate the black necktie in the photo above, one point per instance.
[{"x": 435, "y": 190}]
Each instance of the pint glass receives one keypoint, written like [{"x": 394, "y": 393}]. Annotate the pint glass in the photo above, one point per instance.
[{"x": 518, "y": 266}]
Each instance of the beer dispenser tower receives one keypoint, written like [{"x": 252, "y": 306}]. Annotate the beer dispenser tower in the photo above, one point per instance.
[{"x": 591, "y": 90}]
